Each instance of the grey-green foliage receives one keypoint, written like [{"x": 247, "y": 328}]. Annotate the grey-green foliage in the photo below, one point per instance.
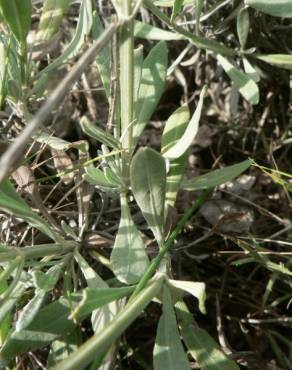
[
  {"x": 277, "y": 8},
  {"x": 173, "y": 131},
  {"x": 148, "y": 182},
  {"x": 217, "y": 177},
  {"x": 12, "y": 203},
  {"x": 151, "y": 87},
  {"x": 243, "y": 25},
  {"x": 103, "y": 59},
  {"x": 128, "y": 259},
  {"x": 168, "y": 350},
  {"x": 245, "y": 84},
  {"x": 184, "y": 142}
]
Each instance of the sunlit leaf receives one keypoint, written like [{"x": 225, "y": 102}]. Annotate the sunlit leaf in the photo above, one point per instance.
[
  {"x": 168, "y": 350},
  {"x": 151, "y": 87},
  {"x": 98, "y": 134},
  {"x": 173, "y": 131},
  {"x": 148, "y": 181},
  {"x": 245, "y": 84},
  {"x": 217, "y": 177},
  {"x": 277, "y": 8},
  {"x": 149, "y": 32},
  {"x": 200, "y": 344},
  {"x": 196, "y": 289},
  {"x": 185, "y": 141},
  {"x": 279, "y": 60},
  {"x": 129, "y": 259}
]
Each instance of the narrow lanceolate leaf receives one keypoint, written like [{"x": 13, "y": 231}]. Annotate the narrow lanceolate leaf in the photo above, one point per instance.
[
  {"x": 30, "y": 310},
  {"x": 176, "y": 9},
  {"x": 103, "y": 59},
  {"x": 200, "y": 344},
  {"x": 250, "y": 70},
  {"x": 149, "y": 32},
  {"x": 98, "y": 134},
  {"x": 243, "y": 26},
  {"x": 51, "y": 18},
  {"x": 129, "y": 259},
  {"x": 12, "y": 203},
  {"x": 279, "y": 60},
  {"x": 151, "y": 87},
  {"x": 173, "y": 131},
  {"x": 245, "y": 84},
  {"x": 148, "y": 181},
  {"x": 18, "y": 16},
  {"x": 102, "y": 316},
  {"x": 168, "y": 350},
  {"x": 277, "y": 8},
  {"x": 196, "y": 289},
  {"x": 82, "y": 30},
  {"x": 217, "y": 177},
  {"x": 185, "y": 141}
]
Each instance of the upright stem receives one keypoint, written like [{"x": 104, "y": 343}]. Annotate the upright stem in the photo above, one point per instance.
[{"x": 126, "y": 81}]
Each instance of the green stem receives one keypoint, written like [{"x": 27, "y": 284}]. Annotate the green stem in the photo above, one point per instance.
[
  {"x": 168, "y": 244},
  {"x": 199, "y": 41},
  {"x": 101, "y": 340},
  {"x": 37, "y": 251},
  {"x": 126, "y": 49}
]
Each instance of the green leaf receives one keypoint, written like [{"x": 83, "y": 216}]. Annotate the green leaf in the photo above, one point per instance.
[
  {"x": 168, "y": 350},
  {"x": 148, "y": 181},
  {"x": 98, "y": 134},
  {"x": 196, "y": 289},
  {"x": 50, "y": 323},
  {"x": 245, "y": 84},
  {"x": 173, "y": 131},
  {"x": 51, "y": 18},
  {"x": 169, "y": 3},
  {"x": 12, "y": 203},
  {"x": 149, "y": 32},
  {"x": 151, "y": 87},
  {"x": 243, "y": 26},
  {"x": 177, "y": 6},
  {"x": 217, "y": 177},
  {"x": 95, "y": 298},
  {"x": 30, "y": 310},
  {"x": 200, "y": 344},
  {"x": 103, "y": 59},
  {"x": 102, "y": 316},
  {"x": 129, "y": 259},
  {"x": 185, "y": 141},
  {"x": 279, "y": 60},
  {"x": 18, "y": 16},
  {"x": 61, "y": 349},
  {"x": 250, "y": 70},
  {"x": 277, "y": 8},
  {"x": 198, "y": 12},
  {"x": 82, "y": 31},
  {"x": 96, "y": 177}
]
